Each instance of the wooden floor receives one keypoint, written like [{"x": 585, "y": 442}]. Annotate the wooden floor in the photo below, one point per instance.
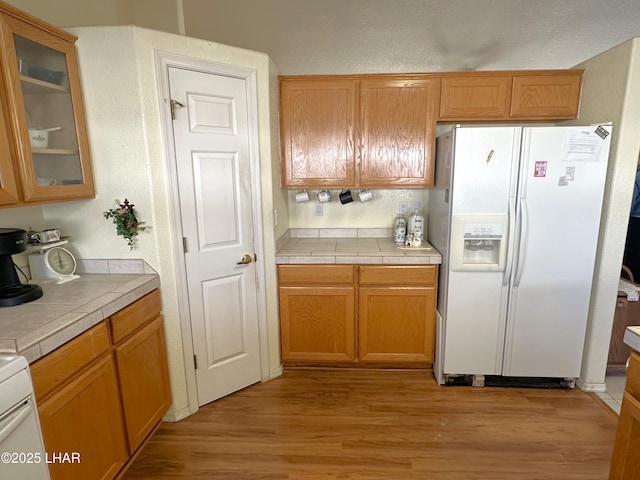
[{"x": 387, "y": 425}]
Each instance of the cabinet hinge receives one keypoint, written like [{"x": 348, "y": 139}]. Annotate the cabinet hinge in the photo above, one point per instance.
[
  {"x": 195, "y": 362},
  {"x": 173, "y": 104},
  {"x": 184, "y": 245}
]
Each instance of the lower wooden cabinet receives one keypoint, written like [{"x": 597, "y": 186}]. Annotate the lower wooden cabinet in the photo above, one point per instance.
[
  {"x": 341, "y": 314},
  {"x": 317, "y": 308},
  {"x": 72, "y": 417},
  {"x": 625, "y": 464},
  {"x": 397, "y": 313},
  {"x": 144, "y": 381},
  {"x": 102, "y": 393}
]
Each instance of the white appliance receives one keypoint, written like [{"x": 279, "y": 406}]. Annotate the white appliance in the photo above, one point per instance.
[
  {"x": 515, "y": 213},
  {"x": 21, "y": 445}
]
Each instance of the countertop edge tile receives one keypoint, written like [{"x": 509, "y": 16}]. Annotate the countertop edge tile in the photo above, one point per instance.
[
  {"x": 8, "y": 345},
  {"x": 632, "y": 337},
  {"x": 69, "y": 332},
  {"x": 311, "y": 259},
  {"x": 32, "y": 353},
  {"x": 355, "y": 250},
  {"x": 121, "y": 302},
  {"x": 37, "y": 335},
  {"x": 98, "y": 303},
  {"x": 360, "y": 260}
]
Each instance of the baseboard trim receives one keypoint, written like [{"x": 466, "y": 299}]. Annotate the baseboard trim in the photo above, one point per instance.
[
  {"x": 592, "y": 387},
  {"x": 274, "y": 373},
  {"x": 177, "y": 415}
]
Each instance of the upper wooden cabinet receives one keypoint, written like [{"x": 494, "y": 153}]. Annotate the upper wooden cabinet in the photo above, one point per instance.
[
  {"x": 42, "y": 99},
  {"x": 378, "y": 131},
  {"x": 475, "y": 97},
  {"x": 546, "y": 96},
  {"x": 519, "y": 95},
  {"x": 397, "y": 132},
  {"x": 9, "y": 192},
  {"x": 373, "y": 132},
  {"x": 318, "y": 132}
]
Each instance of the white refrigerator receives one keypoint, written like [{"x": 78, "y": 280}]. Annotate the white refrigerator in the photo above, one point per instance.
[{"x": 515, "y": 213}]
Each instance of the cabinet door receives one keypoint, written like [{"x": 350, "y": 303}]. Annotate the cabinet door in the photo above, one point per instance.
[
  {"x": 144, "y": 381},
  {"x": 396, "y": 324},
  {"x": 9, "y": 193},
  {"x": 625, "y": 464},
  {"x": 72, "y": 417},
  {"x": 546, "y": 96},
  {"x": 317, "y": 323},
  {"x": 475, "y": 97},
  {"x": 397, "y": 132},
  {"x": 47, "y": 117},
  {"x": 318, "y": 135}
]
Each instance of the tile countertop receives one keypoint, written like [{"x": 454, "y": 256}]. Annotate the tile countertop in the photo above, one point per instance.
[
  {"x": 64, "y": 311},
  {"x": 353, "y": 249},
  {"x": 632, "y": 337}
]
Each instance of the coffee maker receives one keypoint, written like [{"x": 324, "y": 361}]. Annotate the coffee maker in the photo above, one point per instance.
[{"x": 12, "y": 292}]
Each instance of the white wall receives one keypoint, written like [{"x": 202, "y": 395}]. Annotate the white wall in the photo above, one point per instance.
[
  {"x": 611, "y": 92},
  {"x": 377, "y": 213},
  {"x": 124, "y": 126}
]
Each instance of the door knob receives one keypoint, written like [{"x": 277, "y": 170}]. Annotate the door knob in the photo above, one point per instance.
[{"x": 246, "y": 258}]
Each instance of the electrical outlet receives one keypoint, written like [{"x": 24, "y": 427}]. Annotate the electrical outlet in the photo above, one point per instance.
[
  {"x": 318, "y": 209},
  {"x": 415, "y": 206},
  {"x": 403, "y": 208}
]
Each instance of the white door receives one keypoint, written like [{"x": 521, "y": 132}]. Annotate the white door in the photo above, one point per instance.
[
  {"x": 562, "y": 184},
  {"x": 484, "y": 164},
  {"x": 211, "y": 134}
]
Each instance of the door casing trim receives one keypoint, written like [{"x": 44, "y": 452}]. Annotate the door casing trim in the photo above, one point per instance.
[{"x": 164, "y": 61}]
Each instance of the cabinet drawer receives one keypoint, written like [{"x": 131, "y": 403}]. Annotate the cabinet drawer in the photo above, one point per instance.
[
  {"x": 60, "y": 365},
  {"x": 131, "y": 318},
  {"x": 316, "y": 274},
  {"x": 399, "y": 275}
]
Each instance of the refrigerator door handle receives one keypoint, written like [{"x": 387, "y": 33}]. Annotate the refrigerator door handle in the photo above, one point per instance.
[
  {"x": 512, "y": 218},
  {"x": 523, "y": 241}
]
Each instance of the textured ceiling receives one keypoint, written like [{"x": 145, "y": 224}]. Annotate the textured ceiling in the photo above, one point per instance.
[{"x": 357, "y": 36}]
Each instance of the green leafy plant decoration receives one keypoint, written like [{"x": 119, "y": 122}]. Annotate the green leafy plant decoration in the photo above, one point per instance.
[{"x": 127, "y": 225}]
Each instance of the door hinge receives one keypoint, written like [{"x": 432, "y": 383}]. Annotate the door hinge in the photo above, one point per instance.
[
  {"x": 195, "y": 362},
  {"x": 184, "y": 245},
  {"x": 173, "y": 103}
]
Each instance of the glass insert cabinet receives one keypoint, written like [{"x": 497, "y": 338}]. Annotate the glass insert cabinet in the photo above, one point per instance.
[{"x": 42, "y": 112}]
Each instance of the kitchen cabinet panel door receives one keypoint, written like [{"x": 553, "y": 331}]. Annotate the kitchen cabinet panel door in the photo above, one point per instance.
[
  {"x": 46, "y": 114},
  {"x": 9, "y": 193},
  {"x": 317, "y": 323},
  {"x": 626, "y": 461},
  {"x": 85, "y": 417},
  {"x": 546, "y": 96},
  {"x": 144, "y": 381},
  {"x": 317, "y": 133},
  {"x": 397, "y": 132},
  {"x": 397, "y": 324},
  {"x": 475, "y": 97}
]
